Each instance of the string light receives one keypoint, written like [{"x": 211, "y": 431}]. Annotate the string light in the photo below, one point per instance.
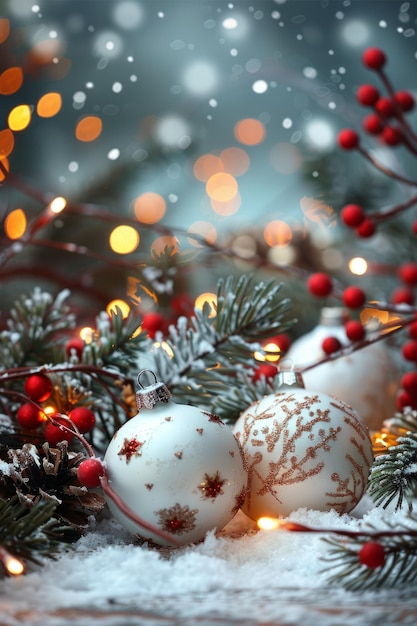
[{"x": 11, "y": 564}]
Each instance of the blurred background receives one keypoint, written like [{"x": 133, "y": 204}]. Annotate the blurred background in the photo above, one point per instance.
[{"x": 191, "y": 117}]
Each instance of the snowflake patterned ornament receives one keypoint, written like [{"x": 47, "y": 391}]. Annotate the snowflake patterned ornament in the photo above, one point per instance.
[
  {"x": 178, "y": 468},
  {"x": 303, "y": 449}
]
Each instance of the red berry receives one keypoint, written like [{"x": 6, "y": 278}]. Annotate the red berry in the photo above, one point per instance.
[
  {"x": 352, "y": 215},
  {"x": 182, "y": 304},
  {"x": 152, "y": 322},
  {"x": 372, "y": 124},
  {"x": 374, "y": 58},
  {"x": 267, "y": 370},
  {"x": 414, "y": 227},
  {"x": 54, "y": 434},
  {"x": 28, "y": 416},
  {"x": 402, "y": 295},
  {"x": 409, "y": 383},
  {"x": 372, "y": 554},
  {"x": 348, "y": 139},
  {"x": 408, "y": 273},
  {"x": 367, "y": 95},
  {"x": 283, "y": 341},
  {"x": 412, "y": 330},
  {"x": 90, "y": 471},
  {"x": 366, "y": 229},
  {"x": 320, "y": 284},
  {"x": 405, "y": 399},
  {"x": 330, "y": 345},
  {"x": 75, "y": 346},
  {"x": 405, "y": 100},
  {"x": 354, "y": 330},
  {"x": 385, "y": 107},
  {"x": 354, "y": 297},
  {"x": 391, "y": 136},
  {"x": 409, "y": 350},
  {"x": 83, "y": 419},
  {"x": 38, "y": 387}
]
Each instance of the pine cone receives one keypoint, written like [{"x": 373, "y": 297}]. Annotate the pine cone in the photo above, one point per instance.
[{"x": 50, "y": 474}]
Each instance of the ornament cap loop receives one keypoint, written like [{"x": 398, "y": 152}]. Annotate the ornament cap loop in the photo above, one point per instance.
[
  {"x": 152, "y": 394},
  {"x": 289, "y": 378}
]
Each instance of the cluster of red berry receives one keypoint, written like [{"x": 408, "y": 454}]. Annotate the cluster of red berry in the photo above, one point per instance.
[
  {"x": 386, "y": 121},
  {"x": 39, "y": 388}
]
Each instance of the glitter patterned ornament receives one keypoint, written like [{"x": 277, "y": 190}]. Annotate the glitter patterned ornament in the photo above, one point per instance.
[
  {"x": 303, "y": 449},
  {"x": 178, "y": 468}
]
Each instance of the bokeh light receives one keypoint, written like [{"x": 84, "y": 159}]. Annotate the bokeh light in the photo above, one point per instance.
[
  {"x": 88, "y": 128},
  {"x": 11, "y": 80},
  {"x": 6, "y": 142},
  {"x": 4, "y": 29},
  {"x": 118, "y": 304},
  {"x": 173, "y": 131},
  {"x": 205, "y": 231},
  {"x": 149, "y": 207},
  {"x": 230, "y": 207},
  {"x": 160, "y": 244},
  {"x": 124, "y": 239},
  {"x": 250, "y": 132},
  {"x": 358, "y": 266},
  {"x": 222, "y": 187},
  {"x": 277, "y": 233},
  {"x": 128, "y": 15},
  {"x": 209, "y": 299},
  {"x": 200, "y": 78},
  {"x": 49, "y": 104},
  {"x": 235, "y": 161},
  {"x": 19, "y": 117},
  {"x": 58, "y": 204},
  {"x": 15, "y": 224},
  {"x": 206, "y": 166}
]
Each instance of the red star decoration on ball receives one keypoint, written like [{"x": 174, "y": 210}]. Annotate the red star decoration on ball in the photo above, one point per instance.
[{"x": 131, "y": 447}]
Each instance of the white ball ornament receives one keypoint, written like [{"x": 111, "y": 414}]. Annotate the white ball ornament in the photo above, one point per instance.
[
  {"x": 176, "y": 467},
  {"x": 303, "y": 449}
]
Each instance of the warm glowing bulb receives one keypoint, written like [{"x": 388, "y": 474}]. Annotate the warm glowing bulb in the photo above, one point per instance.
[
  {"x": 58, "y": 204},
  {"x": 47, "y": 410},
  {"x": 87, "y": 334},
  {"x": 114, "y": 305},
  {"x": 14, "y": 566},
  {"x": 268, "y": 523},
  {"x": 165, "y": 347},
  {"x": 272, "y": 352},
  {"x": 358, "y": 266},
  {"x": 209, "y": 299}
]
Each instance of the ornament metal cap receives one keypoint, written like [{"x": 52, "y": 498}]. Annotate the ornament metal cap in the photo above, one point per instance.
[
  {"x": 152, "y": 394},
  {"x": 289, "y": 378}
]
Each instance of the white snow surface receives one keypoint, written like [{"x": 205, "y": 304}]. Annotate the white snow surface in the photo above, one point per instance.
[{"x": 238, "y": 576}]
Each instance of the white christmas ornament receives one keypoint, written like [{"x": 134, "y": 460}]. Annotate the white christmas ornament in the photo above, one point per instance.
[
  {"x": 303, "y": 449},
  {"x": 366, "y": 379},
  {"x": 178, "y": 468}
]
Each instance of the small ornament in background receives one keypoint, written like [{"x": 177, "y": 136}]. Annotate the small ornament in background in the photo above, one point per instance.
[
  {"x": 303, "y": 449},
  {"x": 175, "y": 466},
  {"x": 366, "y": 379}
]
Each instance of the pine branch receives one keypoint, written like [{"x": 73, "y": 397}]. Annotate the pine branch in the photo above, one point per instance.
[
  {"x": 204, "y": 358},
  {"x": 31, "y": 533},
  {"x": 399, "y": 569},
  {"x": 393, "y": 475},
  {"x": 32, "y": 328}
]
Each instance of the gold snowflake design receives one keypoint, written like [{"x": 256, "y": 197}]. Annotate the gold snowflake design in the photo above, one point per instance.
[
  {"x": 178, "y": 519},
  {"x": 212, "y": 486}
]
